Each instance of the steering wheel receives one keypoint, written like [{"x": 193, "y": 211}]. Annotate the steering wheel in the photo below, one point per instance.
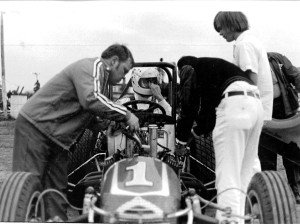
[{"x": 133, "y": 105}]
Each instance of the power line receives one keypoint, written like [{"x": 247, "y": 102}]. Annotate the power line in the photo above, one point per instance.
[{"x": 93, "y": 45}]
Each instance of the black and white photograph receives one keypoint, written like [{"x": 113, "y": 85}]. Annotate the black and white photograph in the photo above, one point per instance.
[{"x": 150, "y": 111}]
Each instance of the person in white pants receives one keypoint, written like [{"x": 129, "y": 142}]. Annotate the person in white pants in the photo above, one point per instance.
[
  {"x": 221, "y": 98},
  {"x": 250, "y": 55},
  {"x": 235, "y": 138}
]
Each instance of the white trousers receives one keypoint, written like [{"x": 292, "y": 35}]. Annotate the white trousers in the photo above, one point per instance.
[{"x": 235, "y": 137}]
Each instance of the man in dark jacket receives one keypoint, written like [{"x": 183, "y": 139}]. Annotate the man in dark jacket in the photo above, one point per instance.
[
  {"x": 221, "y": 98},
  {"x": 56, "y": 115},
  {"x": 284, "y": 73}
]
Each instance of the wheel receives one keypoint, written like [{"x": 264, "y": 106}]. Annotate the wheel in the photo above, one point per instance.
[
  {"x": 147, "y": 116},
  {"x": 18, "y": 196},
  {"x": 271, "y": 198},
  {"x": 132, "y": 106}
]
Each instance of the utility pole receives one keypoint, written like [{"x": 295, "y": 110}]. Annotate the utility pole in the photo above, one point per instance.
[{"x": 3, "y": 69}]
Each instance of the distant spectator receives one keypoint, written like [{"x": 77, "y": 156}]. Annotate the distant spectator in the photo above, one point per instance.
[
  {"x": 9, "y": 93},
  {"x": 36, "y": 86}
]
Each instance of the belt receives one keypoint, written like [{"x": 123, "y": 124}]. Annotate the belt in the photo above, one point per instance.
[{"x": 237, "y": 93}]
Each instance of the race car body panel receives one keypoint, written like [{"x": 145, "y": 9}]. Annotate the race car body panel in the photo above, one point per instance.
[{"x": 140, "y": 188}]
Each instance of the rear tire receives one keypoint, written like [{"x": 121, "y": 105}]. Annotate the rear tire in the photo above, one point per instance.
[
  {"x": 271, "y": 198},
  {"x": 82, "y": 150},
  {"x": 18, "y": 196}
]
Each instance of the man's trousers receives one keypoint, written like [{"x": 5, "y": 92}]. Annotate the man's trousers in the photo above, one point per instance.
[
  {"x": 35, "y": 153},
  {"x": 235, "y": 137}
]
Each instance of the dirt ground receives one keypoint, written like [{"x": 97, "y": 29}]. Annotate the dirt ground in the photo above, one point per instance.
[
  {"x": 6, "y": 148},
  {"x": 5, "y": 163}
]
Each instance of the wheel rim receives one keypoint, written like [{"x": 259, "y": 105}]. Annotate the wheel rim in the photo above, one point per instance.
[
  {"x": 255, "y": 208},
  {"x": 31, "y": 208}
]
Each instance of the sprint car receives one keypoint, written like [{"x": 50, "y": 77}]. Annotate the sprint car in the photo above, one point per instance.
[{"x": 145, "y": 182}]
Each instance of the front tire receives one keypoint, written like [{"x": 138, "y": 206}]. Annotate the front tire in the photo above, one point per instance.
[
  {"x": 271, "y": 198},
  {"x": 18, "y": 196}
]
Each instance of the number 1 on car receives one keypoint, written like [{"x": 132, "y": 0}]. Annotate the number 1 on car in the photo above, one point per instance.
[{"x": 139, "y": 177}]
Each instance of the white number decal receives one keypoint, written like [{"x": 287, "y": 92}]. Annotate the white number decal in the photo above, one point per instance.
[{"x": 139, "y": 175}]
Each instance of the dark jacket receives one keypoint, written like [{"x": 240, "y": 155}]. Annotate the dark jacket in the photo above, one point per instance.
[
  {"x": 67, "y": 103},
  {"x": 285, "y": 74},
  {"x": 202, "y": 84}
]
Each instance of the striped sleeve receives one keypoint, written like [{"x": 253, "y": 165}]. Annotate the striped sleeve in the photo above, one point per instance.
[{"x": 97, "y": 91}]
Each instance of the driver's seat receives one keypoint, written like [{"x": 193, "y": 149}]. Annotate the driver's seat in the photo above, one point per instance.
[{"x": 165, "y": 139}]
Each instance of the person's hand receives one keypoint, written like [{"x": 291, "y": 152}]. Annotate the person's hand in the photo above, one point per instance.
[
  {"x": 180, "y": 149},
  {"x": 156, "y": 91},
  {"x": 132, "y": 121},
  {"x": 180, "y": 154}
]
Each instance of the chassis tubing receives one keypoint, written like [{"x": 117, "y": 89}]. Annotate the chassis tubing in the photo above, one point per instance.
[{"x": 283, "y": 123}]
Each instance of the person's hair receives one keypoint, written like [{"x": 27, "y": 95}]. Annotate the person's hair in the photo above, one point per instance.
[
  {"x": 119, "y": 50},
  {"x": 233, "y": 21},
  {"x": 186, "y": 60}
]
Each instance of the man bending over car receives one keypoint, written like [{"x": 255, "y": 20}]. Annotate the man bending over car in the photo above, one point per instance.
[
  {"x": 221, "y": 98},
  {"x": 56, "y": 115}
]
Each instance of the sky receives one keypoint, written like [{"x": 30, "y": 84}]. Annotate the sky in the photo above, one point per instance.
[{"x": 43, "y": 37}]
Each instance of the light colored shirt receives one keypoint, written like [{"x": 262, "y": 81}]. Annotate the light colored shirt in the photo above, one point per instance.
[{"x": 249, "y": 54}]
